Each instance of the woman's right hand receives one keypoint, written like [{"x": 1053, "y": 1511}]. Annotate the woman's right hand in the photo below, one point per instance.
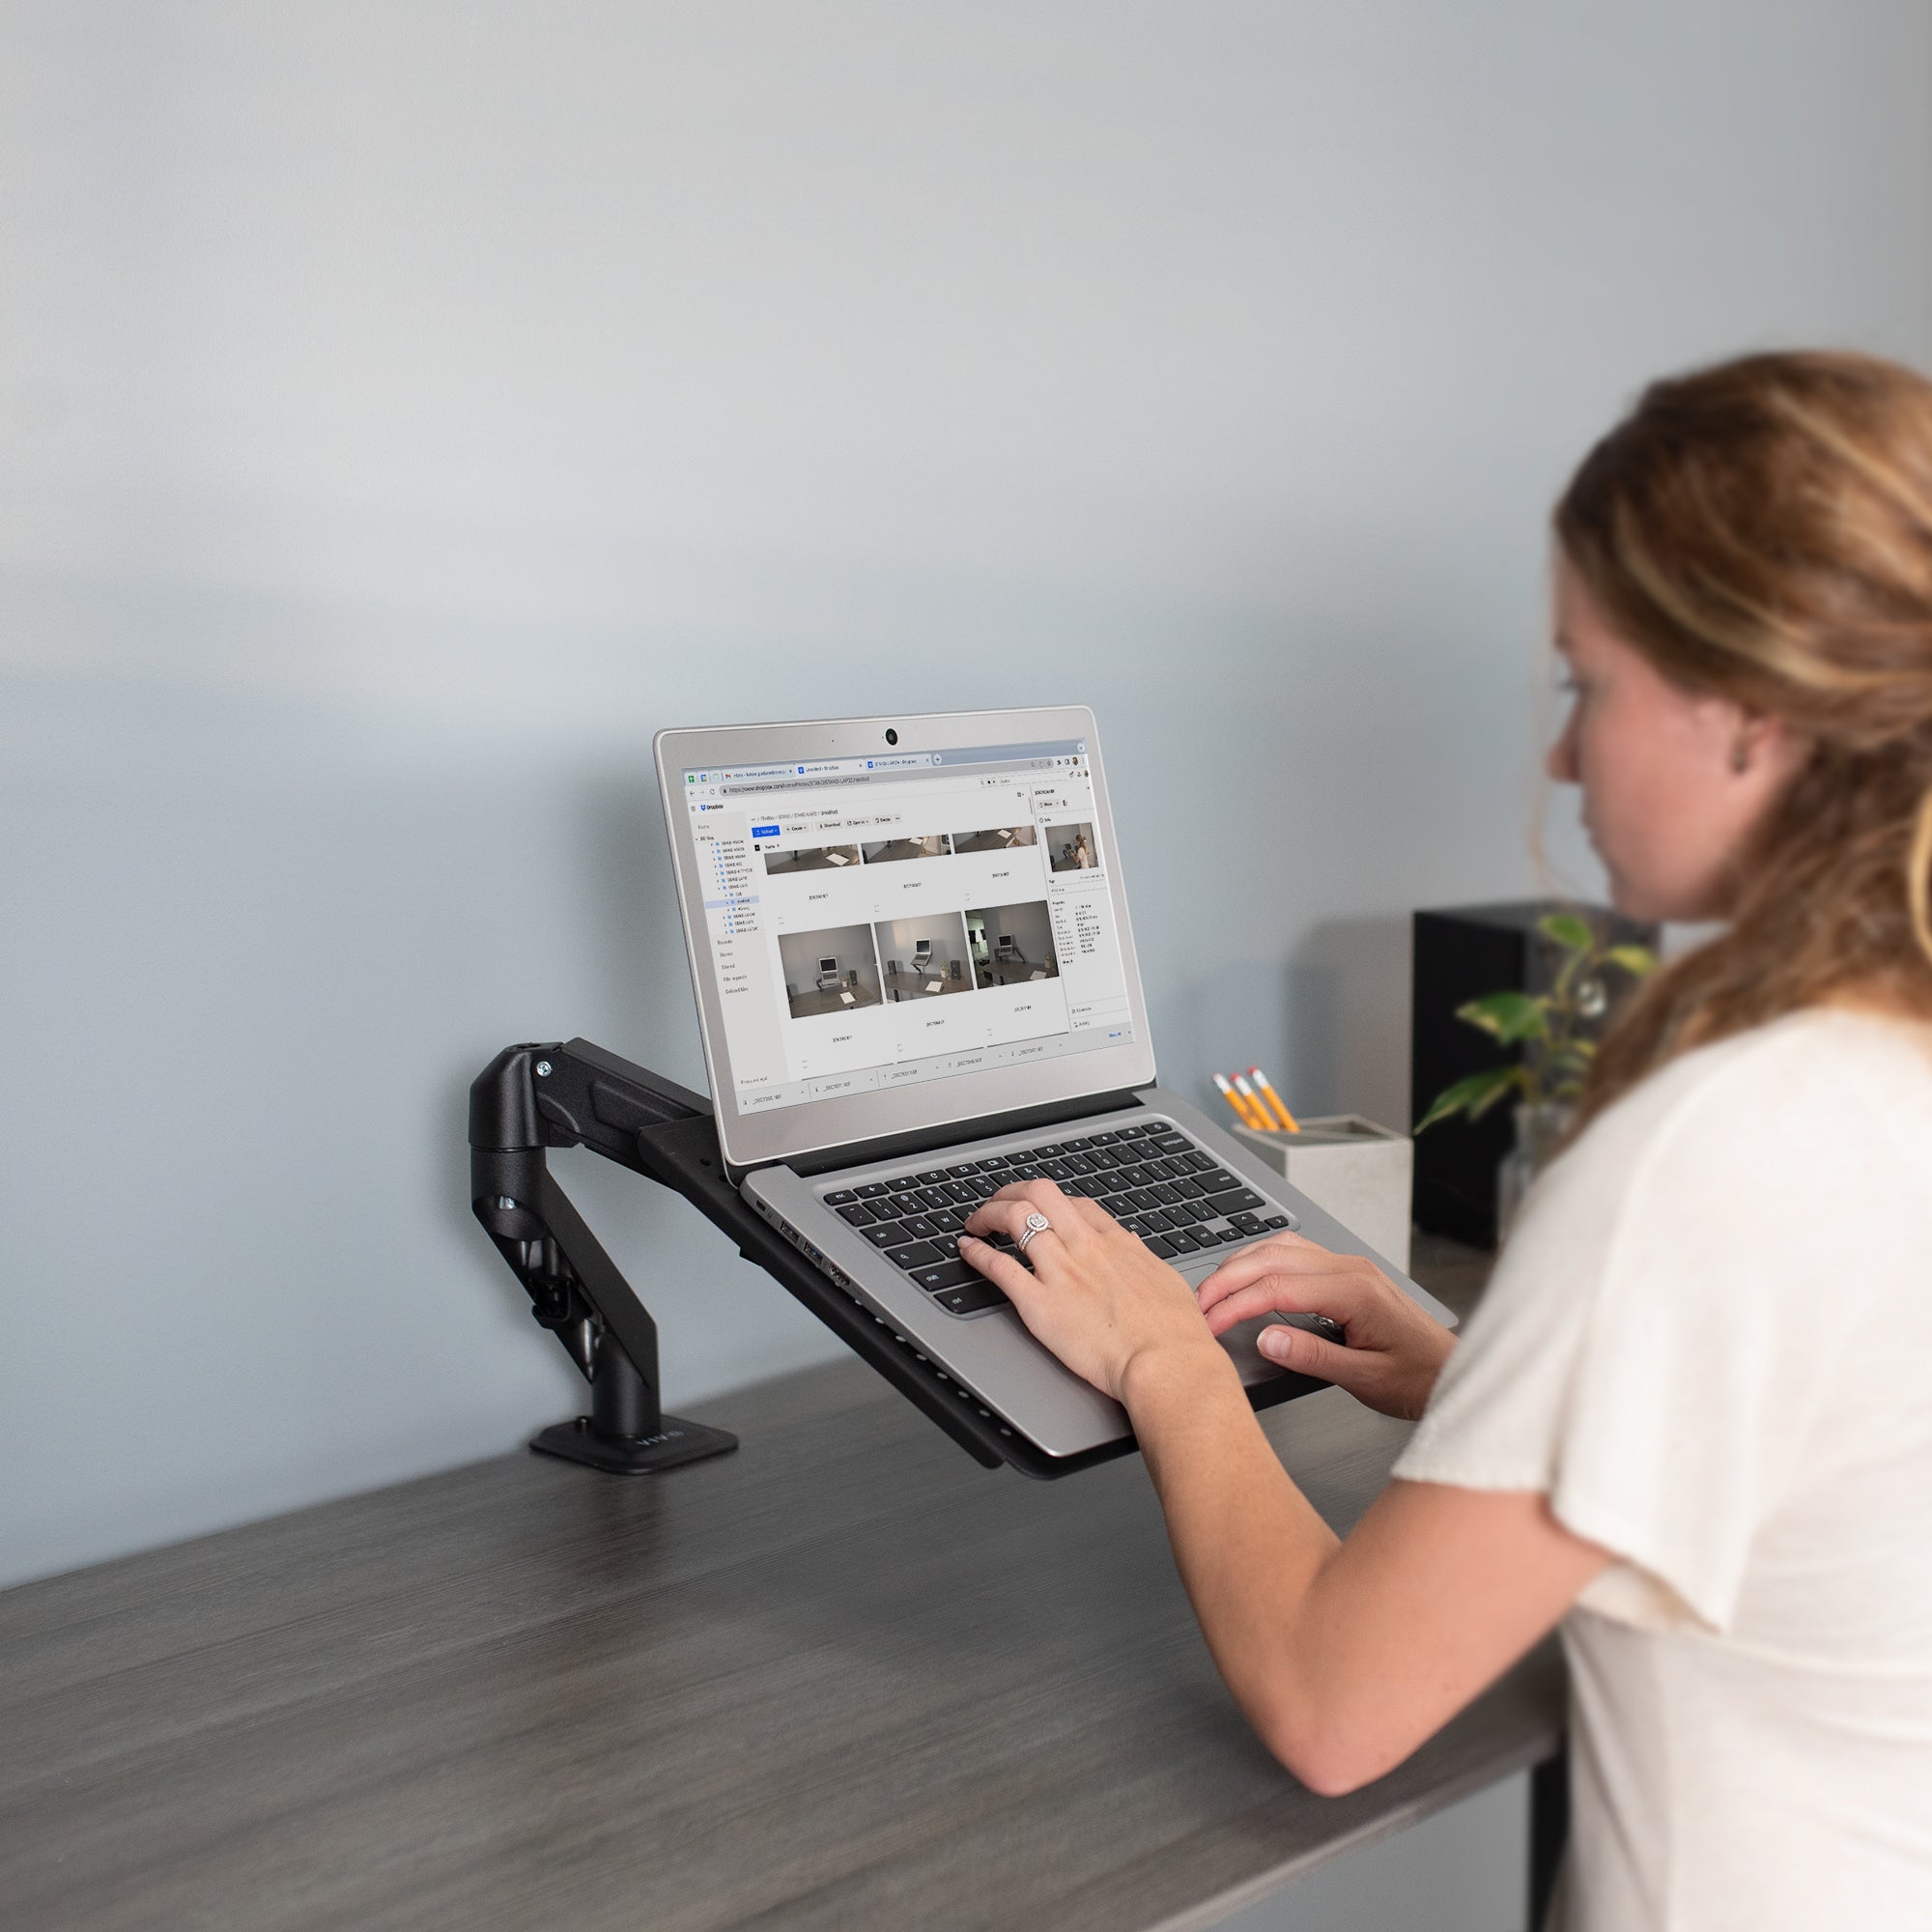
[{"x": 1393, "y": 1351}]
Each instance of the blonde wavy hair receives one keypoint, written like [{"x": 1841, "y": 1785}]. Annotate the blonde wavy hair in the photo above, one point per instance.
[{"x": 1763, "y": 530}]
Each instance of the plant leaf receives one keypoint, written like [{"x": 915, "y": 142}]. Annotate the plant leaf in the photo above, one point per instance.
[
  {"x": 1635, "y": 961},
  {"x": 1567, "y": 929},
  {"x": 1507, "y": 1016},
  {"x": 1474, "y": 1095},
  {"x": 1511, "y": 1076}
]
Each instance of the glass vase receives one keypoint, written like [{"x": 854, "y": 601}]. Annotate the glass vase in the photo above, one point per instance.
[{"x": 1539, "y": 1128}]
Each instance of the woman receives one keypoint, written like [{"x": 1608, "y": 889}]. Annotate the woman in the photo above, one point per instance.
[{"x": 1688, "y": 1421}]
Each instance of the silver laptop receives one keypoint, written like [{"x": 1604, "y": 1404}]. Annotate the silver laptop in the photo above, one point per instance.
[{"x": 916, "y": 982}]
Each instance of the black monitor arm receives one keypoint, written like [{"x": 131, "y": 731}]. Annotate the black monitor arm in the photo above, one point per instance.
[{"x": 533, "y": 1097}]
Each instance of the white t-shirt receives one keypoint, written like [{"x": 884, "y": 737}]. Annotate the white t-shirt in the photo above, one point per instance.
[{"x": 1709, "y": 1344}]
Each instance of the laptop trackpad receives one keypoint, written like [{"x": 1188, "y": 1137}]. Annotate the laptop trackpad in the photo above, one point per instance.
[
  {"x": 1239, "y": 1340},
  {"x": 1240, "y": 1343}
]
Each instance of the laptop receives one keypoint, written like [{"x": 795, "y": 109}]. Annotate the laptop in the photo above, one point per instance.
[{"x": 980, "y": 1020}]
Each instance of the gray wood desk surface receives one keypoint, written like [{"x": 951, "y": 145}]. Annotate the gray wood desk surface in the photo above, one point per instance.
[{"x": 844, "y": 1678}]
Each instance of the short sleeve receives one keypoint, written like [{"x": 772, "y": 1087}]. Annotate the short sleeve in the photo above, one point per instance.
[{"x": 1644, "y": 1355}]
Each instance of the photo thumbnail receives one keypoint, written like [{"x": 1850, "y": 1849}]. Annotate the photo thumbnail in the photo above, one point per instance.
[
  {"x": 924, "y": 958},
  {"x": 832, "y": 971},
  {"x": 809, "y": 857},
  {"x": 1011, "y": 945},
  {"x": 883, "y": 851},
  {"x": 1072, "y": 848},
  {"x": 1002, "y": 839}
]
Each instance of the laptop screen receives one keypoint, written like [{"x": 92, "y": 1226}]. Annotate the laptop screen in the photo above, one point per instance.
[{"x": 880, "y": 922}]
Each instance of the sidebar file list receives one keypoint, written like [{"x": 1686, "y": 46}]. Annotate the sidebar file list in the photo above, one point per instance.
[{"x": 730, "y": 904}]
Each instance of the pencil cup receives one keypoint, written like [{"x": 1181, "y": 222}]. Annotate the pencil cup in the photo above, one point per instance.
[{"x": 1359, "y": 1171}]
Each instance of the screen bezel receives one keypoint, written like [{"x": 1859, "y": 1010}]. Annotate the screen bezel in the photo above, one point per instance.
[{"x": 814, "y": 1126}]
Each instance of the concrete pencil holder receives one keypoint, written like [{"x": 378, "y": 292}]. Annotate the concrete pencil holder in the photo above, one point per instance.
[{"x": 1359, "y": 1171}]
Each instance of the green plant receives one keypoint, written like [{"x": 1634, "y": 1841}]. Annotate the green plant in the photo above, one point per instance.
[{"x": 1550, "y": 1027}]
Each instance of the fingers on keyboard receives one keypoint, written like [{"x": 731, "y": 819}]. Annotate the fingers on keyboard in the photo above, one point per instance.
[{"x": 1150, "y": 1177}]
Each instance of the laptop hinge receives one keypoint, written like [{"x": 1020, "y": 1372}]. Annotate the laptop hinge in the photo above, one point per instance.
[{"x": 893, "y": 1146}]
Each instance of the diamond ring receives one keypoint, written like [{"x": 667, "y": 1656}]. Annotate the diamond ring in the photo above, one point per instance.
[{"x": 1036, "y": 1223}]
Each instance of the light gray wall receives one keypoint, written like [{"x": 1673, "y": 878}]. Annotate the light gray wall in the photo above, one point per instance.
[{"x": 409, "y": 405}]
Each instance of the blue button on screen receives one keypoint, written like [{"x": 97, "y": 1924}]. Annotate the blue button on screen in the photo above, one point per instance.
[{"x": 764, "y": 832}]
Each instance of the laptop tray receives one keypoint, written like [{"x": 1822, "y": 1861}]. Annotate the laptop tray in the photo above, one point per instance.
[{"x": 668, "y": 1131}]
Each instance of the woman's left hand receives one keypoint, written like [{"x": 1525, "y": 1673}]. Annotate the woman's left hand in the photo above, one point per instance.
[{"x": 1095, "y": 1296}]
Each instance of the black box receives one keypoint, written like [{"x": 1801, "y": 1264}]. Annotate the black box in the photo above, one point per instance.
[{"x": 1461, "y": 952}]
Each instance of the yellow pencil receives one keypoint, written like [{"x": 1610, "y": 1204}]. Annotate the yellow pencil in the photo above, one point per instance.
[
  {"x": 1257, "y": 1115},
  {"x": 1264, "y": 1120},
  {"x": 1242, "y": 1111},
  {"x": 1265, "y": 1087}
]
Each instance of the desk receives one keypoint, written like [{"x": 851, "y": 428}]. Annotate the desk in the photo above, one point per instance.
[
  {"x": 1017, "y": 971},
  {"x": 890, "y": 851},
  {"x": 911, "y": 983},
  {"x": 842, "y": 1679},
  {"x": 967, "y": 842},
  {"x": 810, "y": 1003}
]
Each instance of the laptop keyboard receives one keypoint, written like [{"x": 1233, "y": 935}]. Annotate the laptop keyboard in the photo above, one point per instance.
[{"x": 1154, "y": 1180}]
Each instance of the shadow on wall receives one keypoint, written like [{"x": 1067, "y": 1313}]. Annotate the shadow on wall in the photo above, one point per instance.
[
  {"x": 1330, "y": 1025},
  {"x": 1354, "y": 974}
]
